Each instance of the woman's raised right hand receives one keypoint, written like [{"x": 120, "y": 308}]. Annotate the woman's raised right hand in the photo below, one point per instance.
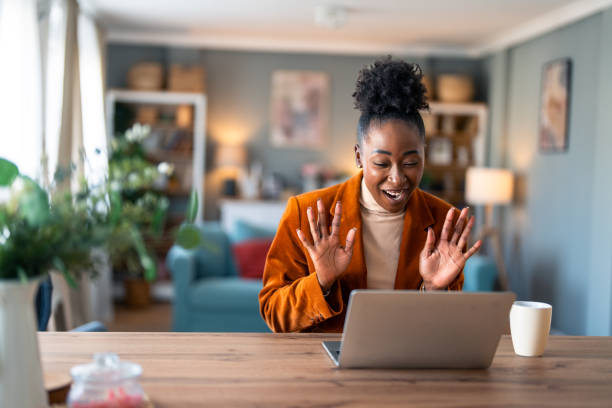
[{"x": 330, "y": 259}]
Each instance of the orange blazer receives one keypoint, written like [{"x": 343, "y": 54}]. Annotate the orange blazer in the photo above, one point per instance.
[{"x": 292, "y": 300}]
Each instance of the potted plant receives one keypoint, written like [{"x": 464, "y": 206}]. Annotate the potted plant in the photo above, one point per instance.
[
  {"x": 138, "y": 211},
  {"x": 37, "y": 234}
]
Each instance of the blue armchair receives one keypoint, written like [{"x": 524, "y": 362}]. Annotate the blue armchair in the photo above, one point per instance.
[
  {"x": 480, "y": 274},
  {"x": 208, "y": 293}
]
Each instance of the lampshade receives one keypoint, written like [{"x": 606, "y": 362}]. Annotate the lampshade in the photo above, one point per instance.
[
  {"x": 230, "y": 156},
  {"x": 488, "y": 186}
]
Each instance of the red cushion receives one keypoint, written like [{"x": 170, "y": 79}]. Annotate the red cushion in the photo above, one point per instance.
[{"x": 250, "y": 256}]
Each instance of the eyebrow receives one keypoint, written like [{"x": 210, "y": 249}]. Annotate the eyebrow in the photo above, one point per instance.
[{"x": 407, "y": 153}]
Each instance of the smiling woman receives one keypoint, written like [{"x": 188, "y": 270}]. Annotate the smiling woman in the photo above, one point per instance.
[{"x": 384, "y": 229}]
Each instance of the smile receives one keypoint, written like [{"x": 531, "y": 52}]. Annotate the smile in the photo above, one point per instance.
[{"x": 396, "y": 195}]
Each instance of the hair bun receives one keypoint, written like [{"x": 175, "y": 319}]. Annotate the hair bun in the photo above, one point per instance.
[{"x": 390, "y": 86}]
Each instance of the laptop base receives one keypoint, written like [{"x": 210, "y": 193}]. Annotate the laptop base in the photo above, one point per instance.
[{"x": 333, "y": 350}]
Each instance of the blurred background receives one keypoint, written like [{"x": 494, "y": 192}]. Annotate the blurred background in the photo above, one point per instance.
[{"x": 249, "y": 102}]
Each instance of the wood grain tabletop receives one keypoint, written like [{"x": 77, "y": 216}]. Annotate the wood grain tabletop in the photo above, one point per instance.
[{"x": 293, "y": 370}]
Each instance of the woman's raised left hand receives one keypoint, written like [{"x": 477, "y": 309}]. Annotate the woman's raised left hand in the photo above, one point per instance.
[{"x": 441, "y": 262}]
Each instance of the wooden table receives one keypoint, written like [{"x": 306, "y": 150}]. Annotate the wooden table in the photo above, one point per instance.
[{"x": 292, "y": 370}]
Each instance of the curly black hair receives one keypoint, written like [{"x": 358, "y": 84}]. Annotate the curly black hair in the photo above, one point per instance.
[{"x": 390, "y": 89}]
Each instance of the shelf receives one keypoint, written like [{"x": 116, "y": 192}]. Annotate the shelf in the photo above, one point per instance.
[
  {"x": 170, "y": 155},
  {"x": 178, "y": 192},
  {"x": 436, "y": 168},
  {"x": 452, "y": 196},
  {"x": 469, "y": 108},
  {"x": 157, "y": 97},
  {"x": 452, "y": 135}
]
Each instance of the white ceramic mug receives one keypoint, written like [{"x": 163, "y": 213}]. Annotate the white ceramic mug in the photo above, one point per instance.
[{"x": 529, "y": 326}]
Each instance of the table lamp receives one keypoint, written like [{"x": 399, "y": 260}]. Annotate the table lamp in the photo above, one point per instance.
[
  {"x": 490, "y": 187},
  {"x": 230, "y": 157}
]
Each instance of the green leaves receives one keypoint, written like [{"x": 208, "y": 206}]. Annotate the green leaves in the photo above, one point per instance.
[
  {"x": 60, "y": 266},
  {"x": 8, "y": 172},
  {"x": 188, "y": 236},
  {"x": 192, "y": 207},
  {"x": 157, "y": 223},
  {"x": 33, "y": 201},
  {"x": 147, "y": 263},
  {"x": 115, "y": 208}
]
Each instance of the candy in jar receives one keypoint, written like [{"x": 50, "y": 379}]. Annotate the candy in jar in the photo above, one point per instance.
[{"x": 107, "y": 382}]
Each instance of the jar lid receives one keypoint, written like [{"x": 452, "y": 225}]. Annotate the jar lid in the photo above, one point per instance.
[{"x": 105, "y": 368}]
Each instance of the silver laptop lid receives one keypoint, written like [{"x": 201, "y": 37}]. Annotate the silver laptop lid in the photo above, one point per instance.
[{"x": 398, "y": 328}]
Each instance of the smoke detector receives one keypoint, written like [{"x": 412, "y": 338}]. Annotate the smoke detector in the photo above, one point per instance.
[{"x": 330, "y": 16}]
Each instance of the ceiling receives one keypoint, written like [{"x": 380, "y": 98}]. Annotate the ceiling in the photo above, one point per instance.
[{"x": 430, "y": 27}]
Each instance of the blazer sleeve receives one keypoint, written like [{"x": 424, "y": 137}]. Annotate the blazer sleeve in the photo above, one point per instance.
[{"x": 291, "y": 299}]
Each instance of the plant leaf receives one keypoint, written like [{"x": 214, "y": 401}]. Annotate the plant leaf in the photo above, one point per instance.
[
  {"x": 157, "y": 223},
  {"x": 147, "y": 263},
  {"x": 192, "y": 207},
  {"x": 188, "y": 236},
  {"x": 33, "y": 202},
  {"x": 115, "y": 208},
  {"x": 60, "y": 266},
  {"x": 22, "y": 275},
  {"x": 150, "y": 271},
  {"x": 8, "y": 172}
]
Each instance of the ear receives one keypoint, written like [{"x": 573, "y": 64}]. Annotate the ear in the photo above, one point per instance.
[{"x": 358, "y": 159}]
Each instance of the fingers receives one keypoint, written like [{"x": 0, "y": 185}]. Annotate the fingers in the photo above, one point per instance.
[
  {"x": 350, "y": 241},
  {"x": 314, "y": 226},
  {"x": 466, "y": 234},
  {"x": 448, "y": 225},
  {"x": 459, "y": 225},
  {"x": 335, "y": 229},
  {"x": 472, "y": 250},
  {"x": 322, "y": 219},
  {"x": 303, "y": 240},
  {"x": 430, "y": 242}
]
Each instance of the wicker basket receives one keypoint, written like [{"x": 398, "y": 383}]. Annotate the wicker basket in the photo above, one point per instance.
[
  {"x": 186, "y": 79},
  {"x": 146, "y": 76},
  {"x": 455, "y": 88}
]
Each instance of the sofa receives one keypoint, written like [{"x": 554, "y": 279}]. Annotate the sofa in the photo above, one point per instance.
[{"x": 210, "y": 295}]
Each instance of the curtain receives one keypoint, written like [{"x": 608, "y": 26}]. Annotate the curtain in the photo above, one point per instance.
[
  {"x": 76, "y": 133},
  {"x": 55, "y": 72},
  {"x": 20, "y": 86},
  {"x": 92, "y": 91}
]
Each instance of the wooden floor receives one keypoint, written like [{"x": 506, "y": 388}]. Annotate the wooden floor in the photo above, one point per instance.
[{"x": 155, "y": 318}]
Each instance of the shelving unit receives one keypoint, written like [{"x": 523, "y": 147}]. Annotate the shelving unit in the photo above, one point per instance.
[
  {"x": 194, "y": 157},
  {"x": 191, "y": 157},
  {"x": 456, "y": 140}
]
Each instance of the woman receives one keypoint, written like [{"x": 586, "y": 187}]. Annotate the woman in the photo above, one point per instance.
[{"x": 396, "y": 236}]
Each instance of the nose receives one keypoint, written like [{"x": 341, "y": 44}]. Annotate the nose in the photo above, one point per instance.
[{"x": 396, "y": 176}]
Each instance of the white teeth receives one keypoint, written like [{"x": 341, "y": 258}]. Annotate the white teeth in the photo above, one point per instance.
[{"x": 395, "y": 195}]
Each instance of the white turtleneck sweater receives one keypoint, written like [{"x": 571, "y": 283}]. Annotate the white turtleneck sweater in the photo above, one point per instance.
[{"x": 382, "y": 236}]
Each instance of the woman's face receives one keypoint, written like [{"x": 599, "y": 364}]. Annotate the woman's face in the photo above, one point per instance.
[{"x": 392, "y": 156}]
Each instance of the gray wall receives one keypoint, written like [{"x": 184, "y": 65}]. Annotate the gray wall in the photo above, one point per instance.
[
  {"x": 238, "y": 92},
  {"x": 558, "y": 234}
]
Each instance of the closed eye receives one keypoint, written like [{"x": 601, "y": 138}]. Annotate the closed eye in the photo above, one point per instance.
[
  {"x": 380, "y": 164},
  {"x": 411, "y": 164}
]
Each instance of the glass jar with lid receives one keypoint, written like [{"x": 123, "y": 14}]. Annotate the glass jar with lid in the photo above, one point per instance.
[{"x": 106, "y": 382}]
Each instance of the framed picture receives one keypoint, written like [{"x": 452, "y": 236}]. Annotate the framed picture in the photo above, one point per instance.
[
  {"x": 299, "y": 109},
  {"x": 554, "y": 106}
]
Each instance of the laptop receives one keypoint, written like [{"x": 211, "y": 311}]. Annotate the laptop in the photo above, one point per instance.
[{"x": 412, "y": 329}]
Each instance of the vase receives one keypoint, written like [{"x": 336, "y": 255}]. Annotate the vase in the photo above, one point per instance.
[
  {"x": 21, "y": 379},
  {"x": 137, "y": 293}
]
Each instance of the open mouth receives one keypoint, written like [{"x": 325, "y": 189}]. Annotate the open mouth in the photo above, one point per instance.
[{"x": 395, "y": 195}]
